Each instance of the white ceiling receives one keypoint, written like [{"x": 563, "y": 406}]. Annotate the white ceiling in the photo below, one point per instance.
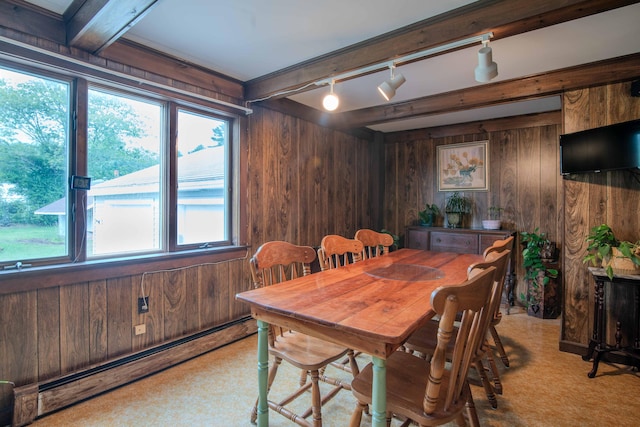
[{"x": 250, "y": 38}]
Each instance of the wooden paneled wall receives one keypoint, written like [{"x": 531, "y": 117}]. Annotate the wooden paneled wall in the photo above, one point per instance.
[
  {"x": 592, "y": 199},
  {"x": 524, "y": 175},
  {"x": 306, "y": 181},
  {"x": 525, "y": 180},
  {"x": 55, "y": 331},
  {"x": 46, "y": 332},
  {"x": 302, "y": 181}
]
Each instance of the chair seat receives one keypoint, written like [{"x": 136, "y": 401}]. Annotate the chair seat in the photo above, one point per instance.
[
  {"x": 424, "y": 340},
  {"x": 407, "y": 378},
  {"x": 306, "y": 352}
]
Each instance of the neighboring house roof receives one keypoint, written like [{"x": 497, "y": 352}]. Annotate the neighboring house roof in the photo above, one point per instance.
[
  {"x": 200, "y": 169},
  {"x": 59, "y": 207},
  {"x": 197, "y": 170}
]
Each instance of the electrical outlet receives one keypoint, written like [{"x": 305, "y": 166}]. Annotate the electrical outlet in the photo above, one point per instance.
[
  {"x": 143, "y": 305},
  {"x": 140, "y": 329}
]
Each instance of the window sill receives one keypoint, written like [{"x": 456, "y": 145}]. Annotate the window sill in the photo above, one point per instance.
[{"x": 33, "y": 278}]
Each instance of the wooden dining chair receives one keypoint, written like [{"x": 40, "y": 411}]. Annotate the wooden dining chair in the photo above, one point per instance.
[
  {"x": 424, "y": 340},
  {"x": 276, "y": 262},
  {"x": 437, "y": 391},
  {"x": 375, "y": 243},
  {"x": 336, "y": 251},
  {"x": 490, "y": 253},
  {"x": 493, "y": 386}
]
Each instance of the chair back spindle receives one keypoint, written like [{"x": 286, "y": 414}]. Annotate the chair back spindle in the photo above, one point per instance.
[
  {"x": 337, "y": 251},
  {"x": 472, "y": 298},
  {"x": 374, "y": 243},
  {"x": 278, "y": 261}
]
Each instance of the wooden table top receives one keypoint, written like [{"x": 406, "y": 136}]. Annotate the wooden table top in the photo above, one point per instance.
[{"x": 370, "y": 306}]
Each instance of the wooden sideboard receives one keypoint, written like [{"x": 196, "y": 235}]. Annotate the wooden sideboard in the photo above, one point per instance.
[
  {"x": 462, "y": 240},
  {"x": 609, "y": 311}
]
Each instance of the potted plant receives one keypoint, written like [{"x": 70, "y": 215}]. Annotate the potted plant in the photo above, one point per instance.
[
  {"x": 537, "y": 273},
  {"x": 428, "y": 215},
  {"x": 615, "y": 256},
  {"x": 493, "y": 223},
  {"x": 456, "y": 207}
]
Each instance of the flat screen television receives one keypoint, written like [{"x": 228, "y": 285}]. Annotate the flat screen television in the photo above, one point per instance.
[{"x": 601, "y": 149}]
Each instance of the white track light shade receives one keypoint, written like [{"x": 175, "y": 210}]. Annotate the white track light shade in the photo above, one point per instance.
[
  {"x": 388, "y": 88},
  {"x": 331, "y": 101},
  {"x": 486, "y": 69}
]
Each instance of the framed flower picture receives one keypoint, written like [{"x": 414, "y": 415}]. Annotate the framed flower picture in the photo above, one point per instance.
[{"x": 463, "y": 167}]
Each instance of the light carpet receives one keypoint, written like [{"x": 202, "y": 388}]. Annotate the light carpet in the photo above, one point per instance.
[{"x": 543, "y": 387}]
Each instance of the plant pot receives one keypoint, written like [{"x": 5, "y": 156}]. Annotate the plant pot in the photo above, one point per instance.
[
  {"x": 620, "y": 264},
  {"x": 543, "y": 300},
  {"x": 491, "y": 224},
  {"x": 428, "y": 220},
  {"x": 454, "y": 219}
]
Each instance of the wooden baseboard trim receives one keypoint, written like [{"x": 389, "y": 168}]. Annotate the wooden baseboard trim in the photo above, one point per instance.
[
  {"x": 573, "y": 347},
  {"x": 37, "y": 399}
]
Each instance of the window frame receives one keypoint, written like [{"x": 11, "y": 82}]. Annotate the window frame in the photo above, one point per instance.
[
  {"x": 164, "y": 164},
  {"x": 171, "y": 253},
  {"x": 70, "y": 241},
  {"x": 230, "y": 159}
]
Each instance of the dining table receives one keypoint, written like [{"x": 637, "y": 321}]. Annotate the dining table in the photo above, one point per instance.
[{"x": 371, "y": 306}]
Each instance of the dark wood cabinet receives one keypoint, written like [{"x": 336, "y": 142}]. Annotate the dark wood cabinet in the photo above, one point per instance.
[
  {"x": 417, "y": 238},
  {"x": 443, "y": 241},
  {"x": 462, "y": 240},
  {"x": 616, "y": 320}
]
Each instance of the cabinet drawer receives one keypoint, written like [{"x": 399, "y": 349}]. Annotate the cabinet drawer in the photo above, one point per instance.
[
  {"x": 454, "y": 242},
  {"x": 487, "y": 240},
  {"x": 417, "y": 239}
]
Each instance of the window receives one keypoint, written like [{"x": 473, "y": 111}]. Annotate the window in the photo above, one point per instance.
[
  {"x": 124, "y": 206},
  {"x": 34, "y": 153},
  {"x": 202, "y": 147},
  {"x": 146, "y": 196}
]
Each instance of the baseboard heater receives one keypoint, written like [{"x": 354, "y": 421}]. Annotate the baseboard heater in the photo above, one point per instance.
[{"x": 37, "y": 399}]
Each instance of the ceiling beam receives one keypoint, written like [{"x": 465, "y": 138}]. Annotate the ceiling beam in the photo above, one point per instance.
[
  {"x": 505, "y": 18},
  {"x": 92, "y": 25},
  {"x": 549, "y": 118},
  {"x": 17, "y": 15},
  {"x": 536, "y": 86}
]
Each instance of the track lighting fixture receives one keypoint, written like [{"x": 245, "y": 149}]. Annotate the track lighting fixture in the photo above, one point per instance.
[
  {"x": 486, "y": 69},
  {"x": 388, "y": 88},
  {"x": 331, "y": 101}
]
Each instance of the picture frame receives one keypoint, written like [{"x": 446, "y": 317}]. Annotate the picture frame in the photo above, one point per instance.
[{"x": 463, "y": 167}]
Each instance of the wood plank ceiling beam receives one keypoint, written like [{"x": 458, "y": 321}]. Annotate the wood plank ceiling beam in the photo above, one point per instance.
[
  {"x": 534, "y": 86},
  {"x": 540, "y": 85},
  {"x": 17, "y": 15},
  {"x": 504, "y": 17},
  {"x": 92, "y": 25}
]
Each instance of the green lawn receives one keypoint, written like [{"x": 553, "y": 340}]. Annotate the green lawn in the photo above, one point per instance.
[{"x": 24, "y": 242}]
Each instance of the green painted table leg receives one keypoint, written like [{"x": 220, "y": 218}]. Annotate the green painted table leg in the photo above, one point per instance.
[
  {"x": 379, "y": 393},
  {"x": 263, "y": 370}
]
